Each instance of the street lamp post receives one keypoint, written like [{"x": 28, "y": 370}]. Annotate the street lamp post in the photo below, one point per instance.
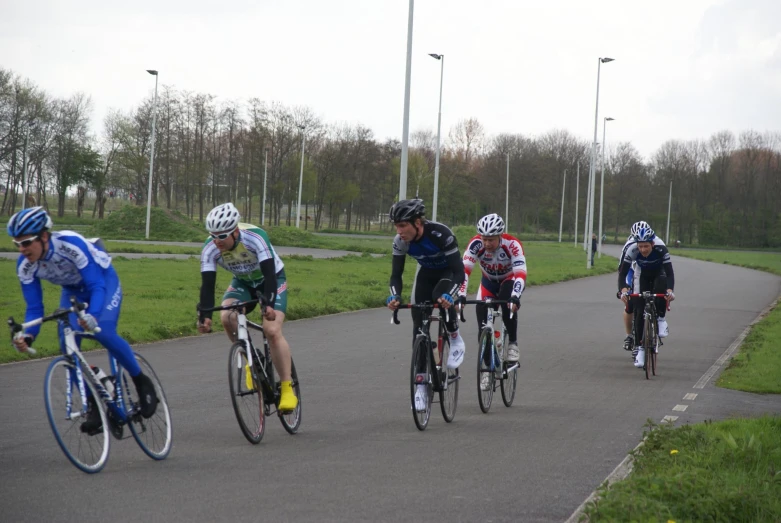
[
  {"x": 507, "y": 196},
  {"x": 602, "y": 185},
  {"x": 405, "y": 126},
  {"x": 152, "y": 154},
  {"x": 592, "y": 170},
  {"x": 577, "y": 198},
  {"x": 24, "y": 170},
  {"x": 441, "y": 59},
  {"x": 301, "y": 176},
  {"x": 669, "y": 210},
  {"x": 265, "y": 176},
  {"x": 561, "y": 218}
]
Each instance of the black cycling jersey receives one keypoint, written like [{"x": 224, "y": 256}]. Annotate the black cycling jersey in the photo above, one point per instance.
[
  {"x": 657, "y": 261},
  {"x": 436, "y": 249}
]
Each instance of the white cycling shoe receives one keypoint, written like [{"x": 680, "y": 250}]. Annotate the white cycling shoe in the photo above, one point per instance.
[
  {"x": 663, "y": 331},
  {"x": 640, "y": 358},
  {"x": 421, "y": 398},
  {"x": 457, "y": 350}
]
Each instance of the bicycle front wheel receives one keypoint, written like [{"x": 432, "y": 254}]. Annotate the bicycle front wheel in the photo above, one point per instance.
[
  {"x": 420, "y": 382},
  {"x": 60, "y": 388},
  {"x": 485, "y": 375},
  {"x": 154, "y": 434},
  {"x": 246, "y": 394},
  {"x": 448, "y": 397},
  {"x": 292, "y": 420},
  {"x": 648, "y": 345}
]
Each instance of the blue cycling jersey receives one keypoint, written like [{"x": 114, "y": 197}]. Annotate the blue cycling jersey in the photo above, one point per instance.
[
  {"x": 72, "y": 262},
  {"x": 431, "y": 251}
]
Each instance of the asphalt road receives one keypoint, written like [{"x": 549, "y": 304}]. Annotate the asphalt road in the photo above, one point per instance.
[{"x": 580, "y": 408}]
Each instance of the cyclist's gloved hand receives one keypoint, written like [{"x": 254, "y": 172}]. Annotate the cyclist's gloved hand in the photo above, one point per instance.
[
  {"x": 392, "y": 298},
  {"x": 22, "y": 341},
  {"x": 516, "y": 300},
  {"x": 88, "y": 322},
  {"x": 447, "y": 300}
]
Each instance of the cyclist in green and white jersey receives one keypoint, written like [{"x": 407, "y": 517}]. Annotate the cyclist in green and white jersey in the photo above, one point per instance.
[{"x": 245, "y": 251}]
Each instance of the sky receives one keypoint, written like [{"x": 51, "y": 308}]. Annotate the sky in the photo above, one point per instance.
[{"x": 682, "y": 70}]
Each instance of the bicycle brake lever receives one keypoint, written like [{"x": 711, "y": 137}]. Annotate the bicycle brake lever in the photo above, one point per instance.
[{"x": 395, "y": 318}]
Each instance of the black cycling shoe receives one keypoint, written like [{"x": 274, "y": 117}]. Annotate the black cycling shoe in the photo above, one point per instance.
[
  {"x": 628, "y": 343},
  {"x": 92, "y": 425},
  {"x": 146, "y": 394}
]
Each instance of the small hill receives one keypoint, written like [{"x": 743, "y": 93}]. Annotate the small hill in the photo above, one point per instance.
[{"x": 129, "y": 223}]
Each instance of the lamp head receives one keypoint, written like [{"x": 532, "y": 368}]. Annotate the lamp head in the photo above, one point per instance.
[
  {"x": 605, "y": 60},
  {"x": 152, "y": 72},
  {"x": 436, "y": 56},
  {"x": 609, "y": 119}
]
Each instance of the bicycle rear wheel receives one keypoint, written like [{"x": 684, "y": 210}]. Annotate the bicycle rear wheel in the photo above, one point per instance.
[
  {"x": 246, "y": 394},
  {"x": 485, "y": 376},
  {"x": 654, "y": 347},
  {"x": 154, "y": 434},
  {"x": 291, "y": 420},
  {"x": 421, "y": 352},
  {"x": 87, "y": 453},
  {"x": 448, "y": 399}
]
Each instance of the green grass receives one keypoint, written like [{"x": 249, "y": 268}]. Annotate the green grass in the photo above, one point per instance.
[
  {"x": 729, "y": 471},
  {"x": 757, "y": 367},
  {"x": 761, "y": 261},
  {"x": 160, "y": 295}
]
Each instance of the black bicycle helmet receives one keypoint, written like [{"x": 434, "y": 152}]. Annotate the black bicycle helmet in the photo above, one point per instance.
[{"x": 406, "y": 210}]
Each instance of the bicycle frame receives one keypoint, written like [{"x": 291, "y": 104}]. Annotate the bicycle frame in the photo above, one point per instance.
[
  {"x": 425, "y": 331},
  {"x": 490, "y": 324}
]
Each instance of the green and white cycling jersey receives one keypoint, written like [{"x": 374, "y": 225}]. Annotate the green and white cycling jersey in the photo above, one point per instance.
[{"x": 252, "y": 247}]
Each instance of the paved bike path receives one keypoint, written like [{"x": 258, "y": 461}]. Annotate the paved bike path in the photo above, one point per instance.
[{"x": 580, "y": 408}]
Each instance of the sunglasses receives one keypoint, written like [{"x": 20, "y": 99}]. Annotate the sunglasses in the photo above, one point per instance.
[
  {"x": 221, "y": 236},
  {"x": 25, "y": 243}
]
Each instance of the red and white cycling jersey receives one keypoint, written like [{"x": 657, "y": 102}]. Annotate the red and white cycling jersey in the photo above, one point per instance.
[{"x": 506, "y": 262}]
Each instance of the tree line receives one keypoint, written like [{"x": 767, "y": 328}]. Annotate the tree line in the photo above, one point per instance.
[{"x": 725, "y": 190}]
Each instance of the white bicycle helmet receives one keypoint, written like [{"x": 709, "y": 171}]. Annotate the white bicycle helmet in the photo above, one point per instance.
[
  {"x": 490, "y": 225},
  {"x": 644, "y": 233},
  {"x": 222, "y": 218},
  {"x": 637, "y": 226}
]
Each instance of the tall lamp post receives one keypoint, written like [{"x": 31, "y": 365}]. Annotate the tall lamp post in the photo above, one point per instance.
[
  {"x": 265, "y": 176},
  {"x": 507, "y": 196},
  {"x": 152, "y": 154},
  {"x": 592, "y": 170},
  {"x": 301, "y": 176},
  {"x": 577, "y": 200},
  {"x": 669, "y": 211},
  {"x": 405, "y": 125},
  {"x": 602, "y": 186},
  {"x": 561, "y": 218},
  {"x": 441, "y": 59}
]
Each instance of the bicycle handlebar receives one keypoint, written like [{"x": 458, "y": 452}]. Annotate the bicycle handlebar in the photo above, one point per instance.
[
  {"x": 488, "y": 301},
  {"x": 647, "y": 295},
  {"x": 234, "y": 306},
  {"x": 76, "y": 306},
  {"x": 427, "y": 305}
]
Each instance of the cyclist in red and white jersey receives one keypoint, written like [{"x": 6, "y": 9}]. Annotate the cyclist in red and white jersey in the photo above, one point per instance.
[{"x": 503, "y": 265}]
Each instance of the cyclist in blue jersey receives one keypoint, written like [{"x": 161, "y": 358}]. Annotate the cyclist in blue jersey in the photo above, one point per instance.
[
  {"x": 85, "y": 272},
  {"x": 656, "y": 274},
  {"x": 440, "y": 273}
]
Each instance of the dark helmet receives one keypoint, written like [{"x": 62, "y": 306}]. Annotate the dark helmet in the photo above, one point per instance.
[{"x": 406, "y": 210}]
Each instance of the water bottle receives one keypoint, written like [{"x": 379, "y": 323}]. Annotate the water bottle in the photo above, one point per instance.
[{"x": 108, "y": 384}]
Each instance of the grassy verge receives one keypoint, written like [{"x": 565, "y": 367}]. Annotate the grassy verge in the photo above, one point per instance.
[
  {"x": 761, "y": 261},
  {"x": 727, "y": 471},
  {"x": 160, "y": 295}
]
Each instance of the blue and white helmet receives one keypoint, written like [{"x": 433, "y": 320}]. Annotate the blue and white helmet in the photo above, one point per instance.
[
  {"x": 32, "y": 220},
  {"x": 642, "y": 232}
]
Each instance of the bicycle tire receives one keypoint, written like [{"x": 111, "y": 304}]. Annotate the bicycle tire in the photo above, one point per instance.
[
  {"x": 88, "y": 453},
  {"x": 486, "y": 344},
  {"x": 154, "y": 434},
  {"x": 292, "y": 420},
  {"x": 647, "y": 345},
  {"x": 421, "y": 343},
  {"x": 246, "y": 394},
  {"x": 654, "y": 345},
  {"x": 448, "y": 399},
  {"x": 509, "y": 379}
]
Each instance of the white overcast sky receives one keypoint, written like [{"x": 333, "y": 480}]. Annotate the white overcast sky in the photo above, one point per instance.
[{"x": 684, "y": 68}]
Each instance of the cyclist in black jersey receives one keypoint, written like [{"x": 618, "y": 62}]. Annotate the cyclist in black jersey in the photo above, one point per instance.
[
  {"x": 440, "y": 274},
  {"x": 656, "y": 273}
]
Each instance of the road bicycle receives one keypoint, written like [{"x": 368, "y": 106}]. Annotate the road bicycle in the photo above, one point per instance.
[
  {"x": 70, "y": 380},
  {"x": 651, "y": 342},
  {"x": 429, "y": 365},
  {"x": 492, "y": 352},
  {"x": 254, "y": 383}
]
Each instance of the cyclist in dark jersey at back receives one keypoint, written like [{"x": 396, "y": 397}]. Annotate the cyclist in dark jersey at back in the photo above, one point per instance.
[
  {"x": 656, "y": 273},
  {"x": 440, "y": 272}
]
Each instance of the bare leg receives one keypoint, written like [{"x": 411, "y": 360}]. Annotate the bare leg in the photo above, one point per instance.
[
  {"x": 229, "y": 321},
  {"x": 280, "y": 350},
  {"x": 628, "y": 323}
]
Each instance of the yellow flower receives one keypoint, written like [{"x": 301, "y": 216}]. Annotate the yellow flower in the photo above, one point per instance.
[
  {"x": 671, "y": 520},
  {"x": 672, "y": 452}
]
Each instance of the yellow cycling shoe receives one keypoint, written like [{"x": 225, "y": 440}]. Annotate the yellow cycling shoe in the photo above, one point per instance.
[
  {"x": 248, "y": 378},
  {"x": 288, "y": 401}
]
